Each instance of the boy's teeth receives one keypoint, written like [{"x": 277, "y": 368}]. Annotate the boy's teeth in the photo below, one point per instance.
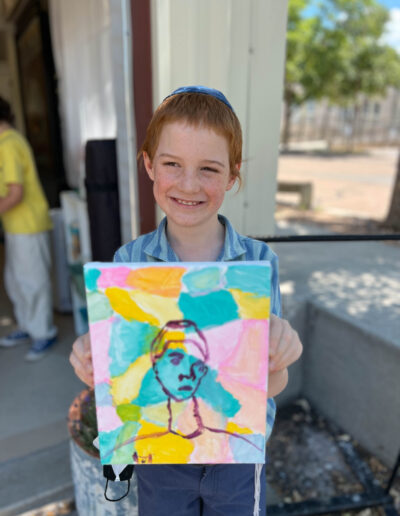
[{"x": 187, "y": 203}]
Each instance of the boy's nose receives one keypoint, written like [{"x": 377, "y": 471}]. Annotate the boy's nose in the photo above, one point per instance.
[{"x": 189, "y": 181}]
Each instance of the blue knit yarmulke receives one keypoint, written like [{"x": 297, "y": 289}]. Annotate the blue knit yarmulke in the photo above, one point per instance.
[{"x": 204, "y": 90}]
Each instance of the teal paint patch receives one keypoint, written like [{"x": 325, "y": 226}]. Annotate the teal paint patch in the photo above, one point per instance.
[
  {"x": 91, "y": 277},
  {"x": 218, "y": 398},
  {"x": 99, "y": 307},
  {"x": 202, "y": 280},
  {"x": 118, "y": 448},
  {"x": 150, "y": 391},
  {"x": 213, "y": 309},
  {"x": 107, "y": 442},
  {"x": 129, "y": 340},
  {"x": 244, "y": 451},
  {"x": 180, "y": 373},
  {"x": 103, "y": 395},
  {"x": 254, "y": 279}
]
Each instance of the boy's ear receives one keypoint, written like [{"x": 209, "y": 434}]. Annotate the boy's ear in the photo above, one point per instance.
[
  {"x": 148, "y": 165},
  {"x": 232, "y": 179}
]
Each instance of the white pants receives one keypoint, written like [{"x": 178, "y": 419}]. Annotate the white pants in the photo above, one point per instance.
[{"x": 28, "y": 283}]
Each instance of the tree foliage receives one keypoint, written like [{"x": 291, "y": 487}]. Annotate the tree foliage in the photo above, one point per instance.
[
  {"x": 337, "y": 53},
  {"x": 365, "y": 64}
]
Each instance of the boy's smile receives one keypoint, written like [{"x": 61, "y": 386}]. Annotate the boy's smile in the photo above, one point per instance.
[{"x": 190, "y": 171}]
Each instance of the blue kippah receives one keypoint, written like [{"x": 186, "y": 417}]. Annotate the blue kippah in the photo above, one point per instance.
[{"x": 204, "y": 90}]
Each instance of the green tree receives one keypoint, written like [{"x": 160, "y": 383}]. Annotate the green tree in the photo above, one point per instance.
[
  {"x": 311, "y": 50},
  {"x": 366, "y": 65},
  {"x": 337, "y": 54}
]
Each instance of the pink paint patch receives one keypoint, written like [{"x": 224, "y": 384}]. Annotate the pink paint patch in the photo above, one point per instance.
[
  {"x": 248, "y": 361},
  {"x": 222, "y": 342},
  {"x": 209, "y": 447},
  {"x": 113, "y": 277},
  {"x": 108, "y": 419},
  {"x": 252, "y": 413},
  {"x": 100, "y": 343}
]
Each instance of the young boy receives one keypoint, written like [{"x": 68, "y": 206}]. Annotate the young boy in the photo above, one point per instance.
[
  {"x": 193, "y": 154},
  {"x": 26, "y": 221}
]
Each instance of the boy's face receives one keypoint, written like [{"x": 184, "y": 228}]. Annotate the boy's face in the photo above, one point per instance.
[{"x": 191, "y": 174}]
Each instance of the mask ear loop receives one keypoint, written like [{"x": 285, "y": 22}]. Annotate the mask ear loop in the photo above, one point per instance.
[{"x": 116, "y": 499}]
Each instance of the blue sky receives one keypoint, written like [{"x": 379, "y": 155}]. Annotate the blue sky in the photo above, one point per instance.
[
  {"x": 392, "y": 35},
  {"x": 390, "y": 4}
]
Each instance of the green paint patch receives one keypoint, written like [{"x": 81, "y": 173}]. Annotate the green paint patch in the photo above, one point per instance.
[
  {"x": 128, "y": 412},
  {"x": 99, "y": 306}
]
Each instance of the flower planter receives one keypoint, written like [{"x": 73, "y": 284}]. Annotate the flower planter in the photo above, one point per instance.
[{"x": 87, "y": 473}]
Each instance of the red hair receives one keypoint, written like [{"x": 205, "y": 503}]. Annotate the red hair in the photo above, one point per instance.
[{"x": 198, "y": 110}]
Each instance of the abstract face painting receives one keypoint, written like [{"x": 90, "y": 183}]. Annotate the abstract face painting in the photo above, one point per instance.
[{"x": 180, "y": 356}]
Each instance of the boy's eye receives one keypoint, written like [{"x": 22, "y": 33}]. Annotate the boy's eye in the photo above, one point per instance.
[
  {"x": 210, "y": 169},
  {"x": 171, "y": 164}
]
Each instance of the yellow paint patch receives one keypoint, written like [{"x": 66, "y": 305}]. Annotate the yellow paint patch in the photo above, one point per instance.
[
  {"x": 164, "y": 309},
  {"x": 168, "y": 448},
  {"x": 126, "y": 387},
  {"x": 159, "y": 414},
  {"x": 176, "y": 337},
  {"x": 251, "y": 306},
  {"x": 163, "y": 281},
  {"x": 236, "y": 429},
  {"x": 124, "y": 305}
]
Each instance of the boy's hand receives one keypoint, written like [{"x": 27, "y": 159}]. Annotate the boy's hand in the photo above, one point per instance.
[
  {"x": 284, "y": 344},
  {"x": 81, "y": 359}
]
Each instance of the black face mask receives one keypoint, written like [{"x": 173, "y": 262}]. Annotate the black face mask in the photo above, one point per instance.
[{"x": 125, "y": 475}]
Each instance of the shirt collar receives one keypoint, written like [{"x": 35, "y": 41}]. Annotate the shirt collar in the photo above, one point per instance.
[
  {"x": 159, "y": 248},
  {"x": 233, "y": 247}
]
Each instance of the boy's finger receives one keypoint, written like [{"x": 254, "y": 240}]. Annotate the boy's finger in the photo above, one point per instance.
[
  {"x": 83, "y": 371},
  {"x": 287, "y": 354},
  {"x": 86, "y": 344},
  {"x": 275, "y": 332}
]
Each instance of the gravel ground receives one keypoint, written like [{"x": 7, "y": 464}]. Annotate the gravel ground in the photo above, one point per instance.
[{"x": 305, "y": 460}]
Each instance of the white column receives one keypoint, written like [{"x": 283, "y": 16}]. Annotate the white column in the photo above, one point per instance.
[
  {"x": 121, "y": 59},
  {"x": 265, "y": 93}
]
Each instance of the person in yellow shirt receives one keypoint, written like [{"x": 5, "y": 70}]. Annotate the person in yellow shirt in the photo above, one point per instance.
[{"x": 26, "y": 222}]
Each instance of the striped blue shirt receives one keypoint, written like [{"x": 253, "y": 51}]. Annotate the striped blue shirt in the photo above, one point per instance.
[{"x": 154, "y": 247}]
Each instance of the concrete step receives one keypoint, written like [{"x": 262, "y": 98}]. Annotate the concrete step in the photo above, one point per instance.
[
  {"x": 35, "y": 480},
  {"x": 350, "y": 375}
]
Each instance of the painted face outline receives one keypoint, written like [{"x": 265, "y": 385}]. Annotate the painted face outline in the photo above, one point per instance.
[{"x": 178, "y": 372}]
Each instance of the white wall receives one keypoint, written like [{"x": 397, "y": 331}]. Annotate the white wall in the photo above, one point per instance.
[
  {"x": 92, "y": 44},
  {"x": 238, "y": 47},
  {"x": 81, "y": 45}
]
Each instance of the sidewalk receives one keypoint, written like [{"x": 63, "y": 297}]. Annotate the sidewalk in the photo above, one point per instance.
[{"x": 35, "y": 397}]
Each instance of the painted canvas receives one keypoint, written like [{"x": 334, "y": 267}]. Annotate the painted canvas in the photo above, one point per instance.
[{"x": 180, "y": 357}]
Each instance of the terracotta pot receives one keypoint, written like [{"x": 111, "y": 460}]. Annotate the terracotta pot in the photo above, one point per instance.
[{"x": 88, "y": 479}]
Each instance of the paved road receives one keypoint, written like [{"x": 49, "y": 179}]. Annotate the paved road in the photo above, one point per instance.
[{"x": 359, "y": 185}]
